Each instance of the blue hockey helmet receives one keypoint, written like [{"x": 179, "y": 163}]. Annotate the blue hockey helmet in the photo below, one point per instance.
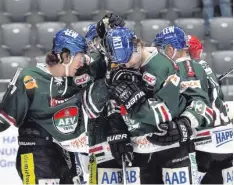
[
  {"x": 69, "y": 39},
  {"x": 173, "y": 35},
  {"x": 119, "y": 44},
  {"x": 91, "y": 32}
]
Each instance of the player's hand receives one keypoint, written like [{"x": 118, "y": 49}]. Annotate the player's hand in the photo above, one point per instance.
[
  {"x": 110, "y": 20},
  {"x": 120, "y": 145},
  {"x": 126, "y": 93},
  {"x": 178, "y": 130},
  {"x": 122, "y": 74}
]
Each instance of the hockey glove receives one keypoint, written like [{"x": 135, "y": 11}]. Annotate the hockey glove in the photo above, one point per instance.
[
  {"x": 110, "y": 20},
  {"x": 178, "y": 130},
  {"x": 126, "y": 93},
  {"x": 122, "y": 74},
  {"x": 120, "y": 145},
  {"x": 118, "y": 137}
]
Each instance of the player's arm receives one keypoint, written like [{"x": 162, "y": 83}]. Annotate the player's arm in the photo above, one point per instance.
[
  {"x": 15, "y": 102},
  {"x": 161, "y": 107},
  {"x": 216, "y": 96},
  {"x": 199, "y": 110},
  {"x": 164, "y": 106},
  {"x": 94, "y": 98},
  {"x": 98, "y": 64}
]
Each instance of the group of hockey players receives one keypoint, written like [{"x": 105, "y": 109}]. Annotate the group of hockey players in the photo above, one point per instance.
[{"x": 140, "y": 115}]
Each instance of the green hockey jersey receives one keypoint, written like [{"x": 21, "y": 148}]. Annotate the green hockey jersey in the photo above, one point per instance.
[
  {"x": 216, "y": 96},
  {"x": 175, "y": 91},
  {"x": 53, "y": 103},
  {"x": 173, "y": 96}
]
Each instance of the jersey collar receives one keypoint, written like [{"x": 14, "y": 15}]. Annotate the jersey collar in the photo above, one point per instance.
[
  {"x": 182, "y": 59},
  {"x": 43, "y": 68},
  {"x": 148, "y": 59}
]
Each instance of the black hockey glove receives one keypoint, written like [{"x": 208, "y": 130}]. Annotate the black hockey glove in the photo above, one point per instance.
[
  {"x": 120, "y": 145},
  {"x": 126, "y": 93},
  {"x": 110, "y": 20},
  {"x": 178, "y": 130},
  {"x": 118, "y": 137},
  {"x": 123, "y": 74}
]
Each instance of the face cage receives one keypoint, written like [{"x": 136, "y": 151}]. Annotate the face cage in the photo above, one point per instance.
[{"x": 91, "y": 46}]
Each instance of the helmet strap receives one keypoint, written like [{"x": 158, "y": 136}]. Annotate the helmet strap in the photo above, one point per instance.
[
  {"x": 67, "y": 66},
  {"x": 174, "y": 54},
  {"x": 60, "y": 58}
]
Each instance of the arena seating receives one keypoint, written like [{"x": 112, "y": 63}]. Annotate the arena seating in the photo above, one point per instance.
[
  {"x": 193, "y": 26},
  {"x": 16, "y": 37},
  {"x": 28, "y": 26}
]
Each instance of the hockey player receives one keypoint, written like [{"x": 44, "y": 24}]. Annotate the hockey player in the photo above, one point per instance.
[
  {"x": 98, "y": 128},
  {"x": 146, "y": 115},
  {"x": 44, "y": 102},
  {"x": 216, "y": 160}
]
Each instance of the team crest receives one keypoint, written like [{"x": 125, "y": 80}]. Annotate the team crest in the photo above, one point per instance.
[
  {"x": 30, "y": 82},
  {"x": 66, "y": 120}
]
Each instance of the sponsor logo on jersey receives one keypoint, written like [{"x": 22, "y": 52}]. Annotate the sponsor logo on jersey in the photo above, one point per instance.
[
  {"x": 142, "y": 142},
  {"x": 223, "y": 136},
  {"x": 149, "y": 78},
  {"x": 66, "y": 120},
  {"x": 79, "y": 142},
  {"x": 82, "y": 79},
  {"x": 190, "y": 84},
  {"x": 176, "y": 175},
  {"x": 57, "y": 101},
  {"x": 30, "y": 82},
  {"x": 174, "y": 79},
  {"x": 115, "y": 176}
]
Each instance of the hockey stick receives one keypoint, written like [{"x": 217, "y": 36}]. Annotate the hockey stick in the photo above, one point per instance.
[
  {"x": 225, "y": 74},
  {"x": 12, "y": 87},
  {"x": 124, "y": 170}
]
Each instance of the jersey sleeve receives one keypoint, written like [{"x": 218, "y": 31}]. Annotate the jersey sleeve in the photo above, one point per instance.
[
  {"x": 221, "y": 111},
  {"x": 94, "y": 98},
  {"x": 163, "y": 106},
  {"x": 15, "y": 102},
  {"x": 199, "y": 110},
  {"x": 98, "y": 65}
]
